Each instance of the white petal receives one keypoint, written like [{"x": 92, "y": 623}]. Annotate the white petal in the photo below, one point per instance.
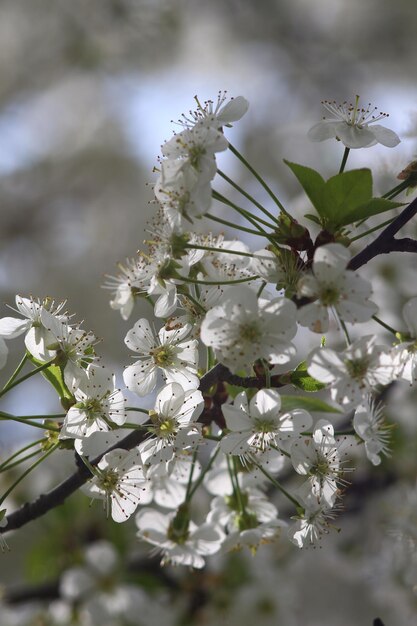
[
  {"x": 236, "y": 420},
  {"x": 141, "y": 337},
  {"x": 266, "y": 403},
  {"x": 353, "y": 137},
  {"x": 325, "y": 365},
  {"x": 330, "y": 261},
  {"x": 11, "y": 327},
  {"x": 385, "y": 136},
  {"x": 233, "y": 110},
  {"x": 410, "y": 316},
  {"x": 167, "y": 302},
  {"x": 3, "y": 352},
  {"x": 140, "y": 377},
  {"x": 322, "y": 130},
  {"x": 235, "y": 443}
]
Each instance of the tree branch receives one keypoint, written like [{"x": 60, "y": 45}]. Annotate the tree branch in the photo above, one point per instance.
[
  {"x": 45, "y": 502},
  {"x": 386, "y": 242}
]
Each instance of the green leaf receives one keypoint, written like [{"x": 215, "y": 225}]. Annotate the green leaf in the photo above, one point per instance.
[
  {"x": 312, "y": 183},
  {"x": 301, "y": 379},
  {"x": 348, "y": 190},
  {"x": 343, "y": 199},
  {"x": 373, "y": 207},
  {"x": 289, "y": 403},
  {"x": 54, "y": 376}
]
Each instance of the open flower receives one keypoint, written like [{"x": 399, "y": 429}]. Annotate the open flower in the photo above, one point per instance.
[
  {"x": 320, "y": 459},
  {"x": 170, "y": 351},
  {"x": 173, "y": 423},
  {"x": 333, "y": 287},
  {"x": 180, "y": 541},
  {"x": 118, "y": 480},
  {"x": 216, "y": 114},
  {"x": 37, "y": 336},
  {"x": 100, "y": 405},
  {"x": 351, "y": 125},
  {"x": 354, "y": 372},
  {"x": 257, "y": 425},
  {"x": 311, "y": 524},
  {"x": 243, "y": 329},
  {"x": 370, "y": 426}
]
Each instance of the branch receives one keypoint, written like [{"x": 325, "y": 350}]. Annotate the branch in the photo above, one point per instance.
[
  {"x": 17, "y": 594},
  {"x": 386, "y": 242},
  {"x": 45, "y": 502}
]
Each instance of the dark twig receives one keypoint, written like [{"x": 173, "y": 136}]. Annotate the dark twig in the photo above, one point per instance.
[
  {"x": 386, "y": 242},
  {"x": 45, "y": 502},
  {"x": 17, "y": 594}
]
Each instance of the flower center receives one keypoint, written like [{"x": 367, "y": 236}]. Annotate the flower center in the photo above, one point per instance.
[
  {"x": 357, "y": 368},
  {"x": 246, "y": 521},
  {"x": 163, "y": 427},
  {"x": 265, "y": 426},
  {"x": 249, "y": 331},
  {"x": 321, "y": 467},
  {"x": 162, "y": 356},
  {"x": 108, "y": 480},
  {"x": 329, "y": 296},
  {"x": 196, "y": 152},
  {"x": 236, "y": 503}
]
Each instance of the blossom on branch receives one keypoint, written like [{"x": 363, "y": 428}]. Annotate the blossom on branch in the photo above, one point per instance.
[
  {"x": 333, "y": 287},
  {"x": 354, "y": 126},
  {"x": 244, "y": 328}
]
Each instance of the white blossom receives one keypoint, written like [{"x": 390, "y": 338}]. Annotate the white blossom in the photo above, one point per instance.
[
  {"x": 181, "y": 544},
  {"x": 126, "y": 285},
  {"x": 369, "y": 424},
  {"x": 354, "y": 126},
  {"x": 97, "y": 588},
  {"x": 406, "y": 351},
  {"x": 173, "y": 423},
  {"x": 216, "y": 114},
  {"x": 99, "y": 405},
  {"x": 72, "y": 346},
  {"x": 170, "y": 351},
  {"x": 118, "y": 480},
  {"x": 38, "y": 337},
  {"x": 238, "y": 512},
  {"x": 332, "y": 286},
  {"x": 243, "y": 329},
  {"x": 258, "y": 424},
  {"x": 311, "y": 524},
  {"x": 180, "y": 191},
  {"x": 354, "y": 372},
  {"x": 197, "y": 146},
  {"x": 320, "y": 458}
]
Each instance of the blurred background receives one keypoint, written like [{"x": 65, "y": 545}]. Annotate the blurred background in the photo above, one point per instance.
[{"x": 88, "y": 90}]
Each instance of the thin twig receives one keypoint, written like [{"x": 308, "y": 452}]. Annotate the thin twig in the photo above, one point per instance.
[{"x": 386, "y": 242}]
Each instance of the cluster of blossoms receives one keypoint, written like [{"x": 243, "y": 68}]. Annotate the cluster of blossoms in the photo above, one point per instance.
[{"x": 224, "y": 428}]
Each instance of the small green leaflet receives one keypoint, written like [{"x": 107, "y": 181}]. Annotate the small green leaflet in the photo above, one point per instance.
[
  {"x": 343, "y": 199},
  {"x": 54, "y": 376},
  {"x": 301, "y": 379}
]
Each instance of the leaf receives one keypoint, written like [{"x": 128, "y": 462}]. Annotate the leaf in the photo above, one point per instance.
[
  {"x": 312, "y": 183},
  {"x": 348, "y": 190},
  {"x": 373, "y": 207},
  {"x": 301, "y": 379},
  {"x": 343, "y": 199},
  {"x": 54, "y": 376},
  {"x": 309, "y": 404}
]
